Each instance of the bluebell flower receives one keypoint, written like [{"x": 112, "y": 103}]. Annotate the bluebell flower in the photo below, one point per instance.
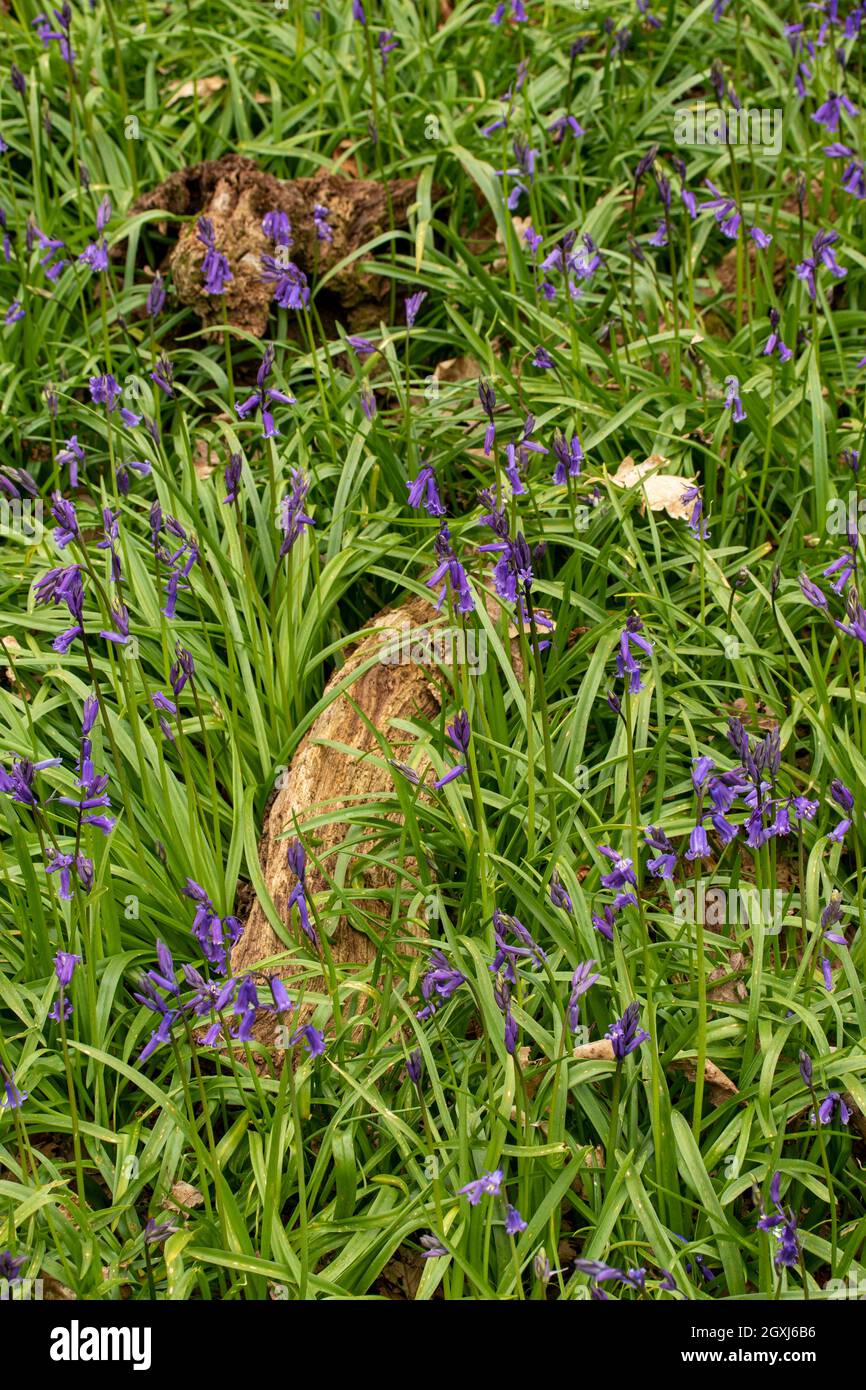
[
  {"x": 732, "y": 399},
  {"x": 387, "y": 44},
  {"x": 665, "y": 860},
  {"x": 623, "y": 871},
  {"x": 439, "y": 982},
  {"x": 822, "y": 254},
  {"x": 559, "y": 128},
  {"x": 569, "y": 457},
  {"x": 701, "y": 769},
  {"x": 774, "y": 343},
  {"x": 424, "y": 492},
  {"x": 449, "y": 574},
  {"x": 432, "y": 1247},
  {"x": 460, "y": 735},
  {"x": 844, "y": 566},
  {"x": 625, "y": 1035},
  {"x": 841, "y": 794},
  {"x": 832, "y": 1102},
  {"x": 15, "y": 1097},
  {"x": 277, "y": 227},
  {"x": 829, "y": 112},
  {"x": 264, "y": 395},
  {"x": 626, "y": 665},
  {"x": 699, "y": 847},
  {"x": 511, "y": 1032},
  {"x": 293, "y": 520},
  {"x": 488, "y": 1185},
  {"x": 415, "y": 1066},
  {"x": 73, "y": 455},
  {"x": 362, "y": 347},
  {"x": 323, "y": 229},
  {"x": 159, "y": 1036},
  {"x": 155, "y": 297},
  {"x": 487, "y": 397},
  {"x": 64, "y": 967},
  {"x": 290, "y": 288},
  {"x": 512, "y": 573},
  {"x": 854, "y": 179},
  {"x": 215, "y": 266},
  {"x": 233, "y": 477},
  {"x": 507, "y": 954},
  {"x": 559, "y": 895},
  {"x": 725, "y": 211},
  {"x": 413, "y": 303},
  {"x": 514, "y": 1222},
  {"x": 856, "y": 624},
  {"x": 583, "y": 979},
  {"x": 64, "y": 514},
  {"x": 163, "y": 375},
  {"x": 811, "y": 593},
  {"x": 605, "y": 921},
  {"x": 783, "y": 1225}
]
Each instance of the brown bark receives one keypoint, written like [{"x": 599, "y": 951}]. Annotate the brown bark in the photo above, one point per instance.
[
  {"x": 235, "y": 194},
  {"x": 323, "y": 780}
]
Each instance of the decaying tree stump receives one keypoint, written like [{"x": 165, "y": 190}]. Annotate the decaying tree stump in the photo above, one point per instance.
[
  {"x": 235, "y": 194},
  {"x": 324, "y": 779}
]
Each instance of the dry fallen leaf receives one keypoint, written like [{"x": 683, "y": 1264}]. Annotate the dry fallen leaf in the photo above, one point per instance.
[
  {"x": 206, "y": 460},
  {"x": 344, "y": 161},
  {"x": 719, "y": 1086},
  {"x": 10, "y": 644},
  {"x": 664, "y": 492},
  {"x": 601, "y": 1051},
  {"x": 183, "y": 1197},
  {"x": 202, "y": 86},
  {"x": 458, "y": 369},
  {"x": 734, "y": 991},
  {"x": 520, "y": 225},
  {"x": 765, "y": 717}
]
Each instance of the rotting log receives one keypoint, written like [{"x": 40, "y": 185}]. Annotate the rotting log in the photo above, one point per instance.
[
  {"x": 236, "y": 194},
  {"x": 324, "y": 780}
]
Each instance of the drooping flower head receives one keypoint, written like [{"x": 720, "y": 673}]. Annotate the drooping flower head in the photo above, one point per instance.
[{"x": 293, "y": 519}]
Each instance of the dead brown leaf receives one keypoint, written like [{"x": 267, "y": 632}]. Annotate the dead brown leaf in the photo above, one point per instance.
[
  {"x": 663, "y": 492},
  {"x": 733, "y": 991},
  {"x": 184, "y": 1197},
  {"x": 719, "y": 1086},
  {"x": 205, "y": 460},
  {"x": 201, "y": 86},
  {"x": 601, "y": 1051}
]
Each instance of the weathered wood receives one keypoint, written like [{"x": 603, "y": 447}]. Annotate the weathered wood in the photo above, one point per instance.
[{"x": 325, "y": 779}]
